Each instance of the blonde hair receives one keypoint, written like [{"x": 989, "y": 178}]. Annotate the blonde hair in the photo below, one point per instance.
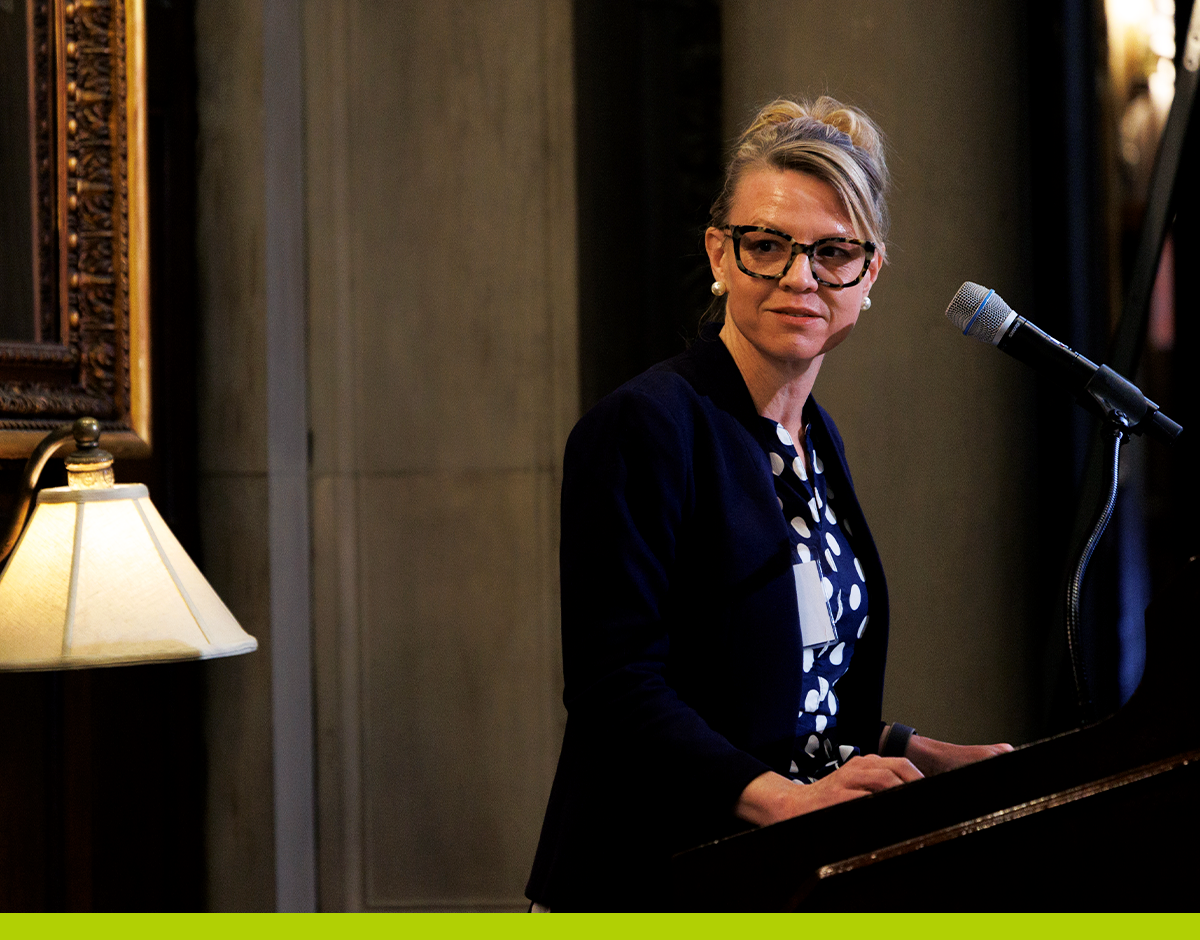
[{"x": 833, "y": 142}]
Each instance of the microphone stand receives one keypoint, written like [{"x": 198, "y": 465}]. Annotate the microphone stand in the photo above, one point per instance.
[
  {"x": 1123, "y": 407},
  {"x": 1115, "y": 436}
]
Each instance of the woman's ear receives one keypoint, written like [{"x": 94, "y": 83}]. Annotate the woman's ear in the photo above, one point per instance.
[
  {"x": 874, "y": 268},
  {"x": 715, "y": 243}
]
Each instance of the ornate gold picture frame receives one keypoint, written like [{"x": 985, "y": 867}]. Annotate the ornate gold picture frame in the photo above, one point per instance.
[{"x": 89, "y": 349}]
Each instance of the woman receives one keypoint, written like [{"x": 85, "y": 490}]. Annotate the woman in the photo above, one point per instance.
[{"x": 724, "y": 609}]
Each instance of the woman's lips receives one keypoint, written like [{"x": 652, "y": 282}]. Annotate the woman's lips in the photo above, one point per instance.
[{"x": 798, "y": 314}]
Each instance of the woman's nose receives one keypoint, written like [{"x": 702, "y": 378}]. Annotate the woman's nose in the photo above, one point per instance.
[{"x": 800, "y": 275}]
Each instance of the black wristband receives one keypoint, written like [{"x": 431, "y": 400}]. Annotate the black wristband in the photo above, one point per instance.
[{"x": 897, "y": 740}]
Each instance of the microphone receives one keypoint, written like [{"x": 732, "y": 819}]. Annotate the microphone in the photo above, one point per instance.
[{"x": 979, "y": 312}]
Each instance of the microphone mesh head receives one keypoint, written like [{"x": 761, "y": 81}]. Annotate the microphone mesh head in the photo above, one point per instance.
[{"x": 980, "y": 312}]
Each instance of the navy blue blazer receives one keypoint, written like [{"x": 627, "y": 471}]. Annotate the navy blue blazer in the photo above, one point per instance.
[{"x": 680, "y": 630}]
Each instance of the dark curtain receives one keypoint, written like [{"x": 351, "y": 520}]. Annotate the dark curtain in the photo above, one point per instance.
[
  {"x": 648, "y": 160},
  {"x": 1153, "y": 530}
]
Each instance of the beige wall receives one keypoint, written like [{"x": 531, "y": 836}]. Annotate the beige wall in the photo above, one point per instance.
[
  {"x": 254, "y": 469},
  {"x": 936, "y": 426},
  {"x": 233, "y": 398},
  {"x": 439, "y": 389},
  {"x": 442, "y": 367}
]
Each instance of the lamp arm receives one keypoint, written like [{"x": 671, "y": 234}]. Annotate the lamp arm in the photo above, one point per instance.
[{"x": 46, "y": 449}]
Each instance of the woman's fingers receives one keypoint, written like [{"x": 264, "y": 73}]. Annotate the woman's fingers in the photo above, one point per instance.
[
  {"x": 873, "y": 773},
  {"x": 771, "y": 797},
  {"x": 867, "y": 774},
  {"x": 934, "y": 756}
]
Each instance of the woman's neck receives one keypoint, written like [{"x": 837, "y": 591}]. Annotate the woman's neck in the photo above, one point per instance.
[{"x": 779, "y": 388}]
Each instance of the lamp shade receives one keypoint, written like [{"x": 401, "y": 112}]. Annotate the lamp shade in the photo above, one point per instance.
[{"x": 97, "y": 579}]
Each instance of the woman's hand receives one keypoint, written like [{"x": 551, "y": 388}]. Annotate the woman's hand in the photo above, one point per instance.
[
  {"x": 772, "y": 797},
  {"x": 934, "y": 757}
]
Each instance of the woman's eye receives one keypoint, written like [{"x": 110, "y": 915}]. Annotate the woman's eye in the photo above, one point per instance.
[{"x": 764, "y": 247}]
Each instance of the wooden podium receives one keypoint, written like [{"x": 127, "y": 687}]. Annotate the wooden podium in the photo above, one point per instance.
[{"x": 1104, "y": 817}]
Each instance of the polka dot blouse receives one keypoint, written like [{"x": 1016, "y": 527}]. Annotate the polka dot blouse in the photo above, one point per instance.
[{"x": 809, "y": 506}]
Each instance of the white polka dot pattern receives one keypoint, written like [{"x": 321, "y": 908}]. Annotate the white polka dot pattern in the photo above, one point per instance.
[{"x": 817, "y": 533}]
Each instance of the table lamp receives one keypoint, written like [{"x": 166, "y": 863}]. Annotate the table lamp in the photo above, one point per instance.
[{"x": 96, "y": 578}]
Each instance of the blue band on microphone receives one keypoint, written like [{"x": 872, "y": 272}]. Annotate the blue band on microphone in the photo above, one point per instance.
[{"x": 978, "y": 310}]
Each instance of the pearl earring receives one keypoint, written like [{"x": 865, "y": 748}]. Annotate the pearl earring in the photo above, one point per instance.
[
  {"x": 866, "y": 304},
  {"x": 718, "y": 288}
]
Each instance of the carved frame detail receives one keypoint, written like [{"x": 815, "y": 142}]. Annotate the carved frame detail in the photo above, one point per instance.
[{"x": 91, "y": 354}]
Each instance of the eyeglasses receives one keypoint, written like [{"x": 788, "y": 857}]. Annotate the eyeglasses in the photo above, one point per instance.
[{"x": 766, "y": 253}]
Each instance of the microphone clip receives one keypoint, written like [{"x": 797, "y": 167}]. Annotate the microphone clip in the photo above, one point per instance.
[
  {"x": 1122, "y": 403},
  {"x": 1119, "y": 400}
]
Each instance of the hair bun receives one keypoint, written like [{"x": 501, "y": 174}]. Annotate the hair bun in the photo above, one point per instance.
[
  {"x": 810, "y": 118},
  {"x": 850, "y": 121}
]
